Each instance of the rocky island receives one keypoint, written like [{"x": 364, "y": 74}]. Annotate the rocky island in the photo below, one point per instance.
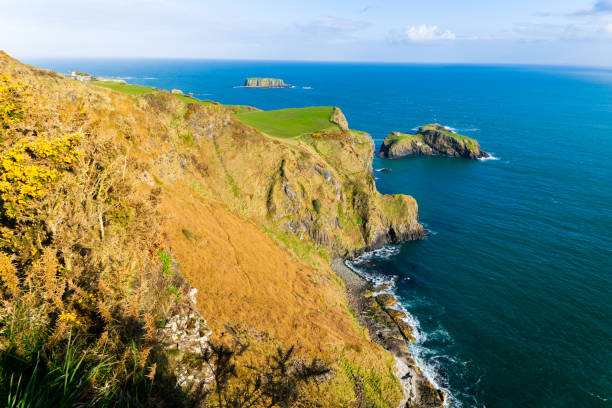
[
  {"x": 431, "y": 140},
  {"x": 265, "y": 83}
]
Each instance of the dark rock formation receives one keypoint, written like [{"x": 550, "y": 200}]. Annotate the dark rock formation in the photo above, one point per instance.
[{"x": 431, "y": 140}]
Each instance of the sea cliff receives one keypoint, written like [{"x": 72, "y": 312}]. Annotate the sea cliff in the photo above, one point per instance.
[
  {"x": 156, "y": 227},
  {"x": 431, "y": 140}
]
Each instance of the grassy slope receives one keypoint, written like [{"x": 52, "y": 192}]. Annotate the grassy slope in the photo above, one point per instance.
[
  {"x": 403, "y": 138},
  {"x": 287, "y": 123},
  {"x": 138, "y": 90},
  {"x": 246, "y": 281},
  {"x": 135, "y": 90}
]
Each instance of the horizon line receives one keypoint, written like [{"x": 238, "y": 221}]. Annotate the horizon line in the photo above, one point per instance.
[{"x": 385, "y": 62}]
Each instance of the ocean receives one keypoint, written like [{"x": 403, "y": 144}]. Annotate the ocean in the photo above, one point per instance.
[{"x": 511, "y": 292}]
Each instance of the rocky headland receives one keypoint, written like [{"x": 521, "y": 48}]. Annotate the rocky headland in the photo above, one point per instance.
[
  {"x": 431, "y": 140},
  {"x": 265, "y": 83},
  {"x": 137, "y": 198}
]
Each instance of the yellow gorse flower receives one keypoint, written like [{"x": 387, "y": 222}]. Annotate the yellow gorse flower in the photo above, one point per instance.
[
  {"x": 28, "y": 167},
  {"x": 70, "y": 318},
  {"x": 12, "y": 97}
]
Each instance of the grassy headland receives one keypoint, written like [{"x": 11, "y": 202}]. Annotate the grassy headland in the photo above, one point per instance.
[
  {"x": 288, "y": 123},
  {"x": 117, "y": 200}
]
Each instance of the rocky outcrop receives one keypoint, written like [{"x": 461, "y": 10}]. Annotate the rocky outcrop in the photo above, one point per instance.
[
  {"x": 387, "y": 328},
  {"x": 187, "y": 335},
  {"x": 431, "y": 140},
  {"x": 265, "y": 83},
  {"x": 339, "y": 119}
]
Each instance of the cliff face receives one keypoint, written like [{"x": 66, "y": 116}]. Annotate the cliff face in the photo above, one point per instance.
[
  {"x": 248, "y": 220},
  {"x": 265, "y": 83},
  {"x": 431, "y": 140},
  {"x": 316, "y": 188}
]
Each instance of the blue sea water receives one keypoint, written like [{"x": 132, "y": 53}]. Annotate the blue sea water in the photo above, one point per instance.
[{"x": 512, "y": 290}]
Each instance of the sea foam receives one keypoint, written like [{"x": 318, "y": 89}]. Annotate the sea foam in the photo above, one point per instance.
[
  {"x": 491, "y": 157},
  {"x": 426, "y": 360}
]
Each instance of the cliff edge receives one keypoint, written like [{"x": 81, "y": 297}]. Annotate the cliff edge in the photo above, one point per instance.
[{"x": 128, "y": 219}]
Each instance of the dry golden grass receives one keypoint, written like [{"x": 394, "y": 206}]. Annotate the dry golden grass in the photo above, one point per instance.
[{"x": 140, "y": 185}]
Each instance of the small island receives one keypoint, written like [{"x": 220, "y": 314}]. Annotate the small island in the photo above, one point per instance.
[
  {"x": 431, "y": 140},
  {"x": 265, "y": 83}
]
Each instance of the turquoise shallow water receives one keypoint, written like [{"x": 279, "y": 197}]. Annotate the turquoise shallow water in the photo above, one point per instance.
[{"x": 512, "y": 290}]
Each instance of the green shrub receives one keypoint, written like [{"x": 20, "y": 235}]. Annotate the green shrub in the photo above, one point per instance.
[
  {"x": 187, "y": 139},
  {"x": 166, "y": 261},
  {"x": 316, "y": 204}
]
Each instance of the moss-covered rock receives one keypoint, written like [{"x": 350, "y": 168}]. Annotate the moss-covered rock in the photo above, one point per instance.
[
  {"x": 431, "y": 140},
  {"x": 386, "y": 300}
]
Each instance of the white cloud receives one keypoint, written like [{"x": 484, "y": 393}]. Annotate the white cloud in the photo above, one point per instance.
[
  {"x": 421, "y": 34},
  {"x": 608, "y": 28}
]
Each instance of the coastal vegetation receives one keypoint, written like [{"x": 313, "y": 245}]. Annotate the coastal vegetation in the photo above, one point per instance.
[
  {"x": 288, "y": 123},
  {"x": 139, "y": 90},
  {"x": 122, "y": 87},
  {"x": 140, "y": 232}
]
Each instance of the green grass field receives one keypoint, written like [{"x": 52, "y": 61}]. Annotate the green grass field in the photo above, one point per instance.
[
  {"x": 408, "y": 137},
  {"x": 137, "y": 90},
  {"x": 287, "y": 123},
  {"x": 187, "y": 99}
]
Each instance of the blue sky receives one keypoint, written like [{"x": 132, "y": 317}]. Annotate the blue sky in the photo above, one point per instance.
[{"x": 575, "y": 32}]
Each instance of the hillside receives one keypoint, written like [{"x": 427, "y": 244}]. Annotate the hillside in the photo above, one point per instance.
[{"x": 115, "y": 206}]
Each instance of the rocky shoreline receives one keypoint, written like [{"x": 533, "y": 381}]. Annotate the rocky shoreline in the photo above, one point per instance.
[{"x": 386, "y": 327}]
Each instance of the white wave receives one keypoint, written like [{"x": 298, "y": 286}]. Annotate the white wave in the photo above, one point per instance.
[
  {"x": 450, "y": 129},
  {"x": 426, "y": 362},
  {"x": 491, "y": 157},
  {"x": 441, "y": 335},
  {"x": 307, "y": 87},
  {"x": 429, "y": 230},
  {"x": 470, "y": 130},
  {"x": 599, "y": 396}
]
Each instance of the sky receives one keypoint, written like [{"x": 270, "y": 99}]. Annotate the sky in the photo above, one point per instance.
[{"x": 558, "y": 32}]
